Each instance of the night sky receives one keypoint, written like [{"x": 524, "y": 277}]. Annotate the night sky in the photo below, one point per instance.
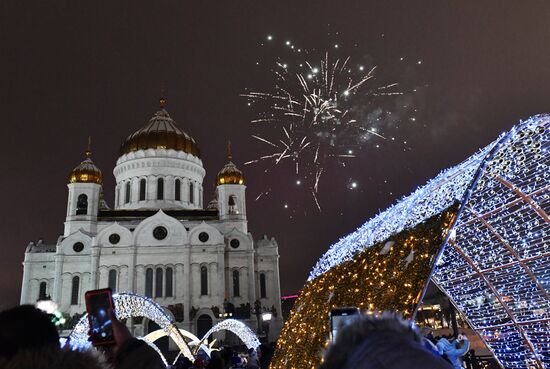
[{"x": 73, "y": 69}]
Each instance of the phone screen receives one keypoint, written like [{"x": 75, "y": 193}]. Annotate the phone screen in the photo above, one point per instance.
[
  {"x": 98, "y": 305},
  {"x": 339, "y": 318}
]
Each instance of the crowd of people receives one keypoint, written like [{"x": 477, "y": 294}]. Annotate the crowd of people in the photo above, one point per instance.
[{"x": 29, "y": 340}]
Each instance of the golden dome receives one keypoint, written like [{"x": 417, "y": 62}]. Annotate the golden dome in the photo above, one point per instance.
[
  {"x": 86, "y": 172},
  {"x": 160, "y": 133},
  {"x": 229, "y": 173}
]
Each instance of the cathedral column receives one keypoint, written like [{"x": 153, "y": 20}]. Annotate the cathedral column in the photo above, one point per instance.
[
  {"x": 58, "y": 282},
  {"x": 94, "y": 268},
  {"x": 132, "y": 270},
  {"x": 250, "y": 276},
  {"x": 186, "y": 282},
  {"x": 134, "y": 197},
  {"x": 195, "y": 282},
  {"x": 221, "y": 273},
  {"x": 139, "y": 286},
  {"x": 178, "y": 282},
  {"x": 169, "y": 193},
  {"x": 151, "y": 188}
]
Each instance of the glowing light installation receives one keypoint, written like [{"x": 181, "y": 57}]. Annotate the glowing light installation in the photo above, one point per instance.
[
  {"x": 239, "y": 328},
  {"x": 495, "y": 266},
  {"x": 128, "y": 305}
]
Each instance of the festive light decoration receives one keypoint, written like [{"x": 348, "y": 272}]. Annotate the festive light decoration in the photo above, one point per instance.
[
  {"x": 239, "y": 328},
  {"x": 129, "y": 305},
  {"x": 382, "y": 277},
  {"x": 494, "y": 264},
  {"x": 323, "y": 108},
  {"x": 194, "y": 340}
]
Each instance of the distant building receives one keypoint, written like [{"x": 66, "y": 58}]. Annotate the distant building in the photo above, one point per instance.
[{"x": 160, "y": 240}]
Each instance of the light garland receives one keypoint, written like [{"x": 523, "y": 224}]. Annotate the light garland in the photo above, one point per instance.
[
  {"x": 246, "y": 334},
  {"x": 495, "y": 267},
  {"x": 129, "y": 305}
]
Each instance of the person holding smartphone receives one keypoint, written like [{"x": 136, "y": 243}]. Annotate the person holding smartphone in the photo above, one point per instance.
[{"x": 29, "y": 340}]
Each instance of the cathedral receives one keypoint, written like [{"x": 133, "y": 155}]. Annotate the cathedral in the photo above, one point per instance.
[{"x": 199, "y": 262}]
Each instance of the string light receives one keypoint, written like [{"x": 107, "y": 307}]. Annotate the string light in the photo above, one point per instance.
[
  {"x": 130, "y": 305},
  {"x": 239, "y": 328},
  {"x": 495, "y": 267}
]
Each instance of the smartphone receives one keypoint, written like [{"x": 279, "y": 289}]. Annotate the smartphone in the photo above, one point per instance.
[
  {"x": 98, "y": 304},
  {"x": 340, "y": 317}
]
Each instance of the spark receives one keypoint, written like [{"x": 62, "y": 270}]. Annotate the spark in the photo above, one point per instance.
[
  {"x": 269, "y": 37},
  {"x": 314, "y": 114}
]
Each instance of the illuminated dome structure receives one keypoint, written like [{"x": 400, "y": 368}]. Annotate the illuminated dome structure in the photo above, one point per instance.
[
  {"x": 230, "y": 174},
  {"x": 159, "y": 168},
  {"x": 480, "y": 231},
  {"x": 86, "y": 172},
  {"x": 161, "y": 132}
]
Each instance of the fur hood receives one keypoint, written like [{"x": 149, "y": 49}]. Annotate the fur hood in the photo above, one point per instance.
[{"x": 56, "y": 359}]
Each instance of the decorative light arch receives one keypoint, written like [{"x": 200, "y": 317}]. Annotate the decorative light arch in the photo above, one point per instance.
[
  {"x": 239, "y": 328},
  {"x": 129, "y": 305},
  {"x": 194, "y": 340},
  {"x": 479, "y": 230}
]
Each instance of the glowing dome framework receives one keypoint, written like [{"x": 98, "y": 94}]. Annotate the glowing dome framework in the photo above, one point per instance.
[{"x": 493, "y": 260}]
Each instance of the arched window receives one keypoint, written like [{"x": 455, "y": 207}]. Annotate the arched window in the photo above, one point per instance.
[
  {"x": 236, "y": 285},
  {"x": 191, "y": 193},
  {"x": 82, "y": 205},
  {"x": 42, "y": 291},
  {"x": 168, "y": 287},
  {"x": 149, "y": 282},
  {"x": 158, "y": 282},
  {"x": 177, "y": 190},
  {"x": 142, "y": 188},
  {"x": 127, "y": 193},
  {"x": 204, "y": 281},
  {"x": 160, "y": 189},
  {"x": 74, "y": 290},
  {"x": 112, "y": 280},
  {"x": 232, "y": 204},
  {"x": 118, "y": 199},
  {"x": 263, "y": 291}
]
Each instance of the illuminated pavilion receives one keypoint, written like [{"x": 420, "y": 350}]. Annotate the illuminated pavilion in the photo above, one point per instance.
[{"x": 480, "y": 231}]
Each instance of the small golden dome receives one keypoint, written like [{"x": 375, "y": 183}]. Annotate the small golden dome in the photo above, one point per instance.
[
  {"x": 86, "y": 172},
  {"x": 229, "y": 173},
  {"x": 160, "y": 133}
]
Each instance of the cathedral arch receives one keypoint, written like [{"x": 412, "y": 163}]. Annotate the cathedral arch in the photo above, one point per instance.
[
  {"x": 176, "y": 233},
  {"x": 204, "y": 279},
  {"x": 112, "y": 279},
  {"x": 263, "y": 285},
  {"x": 243, "y": 240},
  {"x": 214, "y": 236},
  {"x": 82, "y": 204},
  {"x": 67, "y": 245},
  {"x": 105, "y": 237},
  {"x": 160, "y": 188},
  {"x": 75, "y": 289},
  {"x": 142, "y": 189},
  {"x": 177, "y": 190},
  {"x": 236, "y": 282},
  {"x": 127, "y": 192},
  {"x": 149, "y": 282},
  {"x": 169, "y": 282},
  {"x": 42, "y": 290}
]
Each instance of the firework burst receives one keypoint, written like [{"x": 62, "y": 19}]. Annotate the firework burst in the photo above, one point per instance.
[{"x": 315, "y": 114}]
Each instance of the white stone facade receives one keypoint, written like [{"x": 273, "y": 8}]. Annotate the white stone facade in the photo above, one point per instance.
[{"x": 167, "y": 246}]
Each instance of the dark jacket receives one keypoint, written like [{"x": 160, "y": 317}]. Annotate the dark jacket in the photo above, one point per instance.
[{"x": 135, "y": 354}]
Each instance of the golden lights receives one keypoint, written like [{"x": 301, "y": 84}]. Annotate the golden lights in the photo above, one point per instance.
[{"x": 374, "y": 280}]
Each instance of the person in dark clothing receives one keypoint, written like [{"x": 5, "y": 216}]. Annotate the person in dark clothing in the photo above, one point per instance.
[
  {"x": 29, "y": 340},
  {"x": 385, "y": 342}
]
